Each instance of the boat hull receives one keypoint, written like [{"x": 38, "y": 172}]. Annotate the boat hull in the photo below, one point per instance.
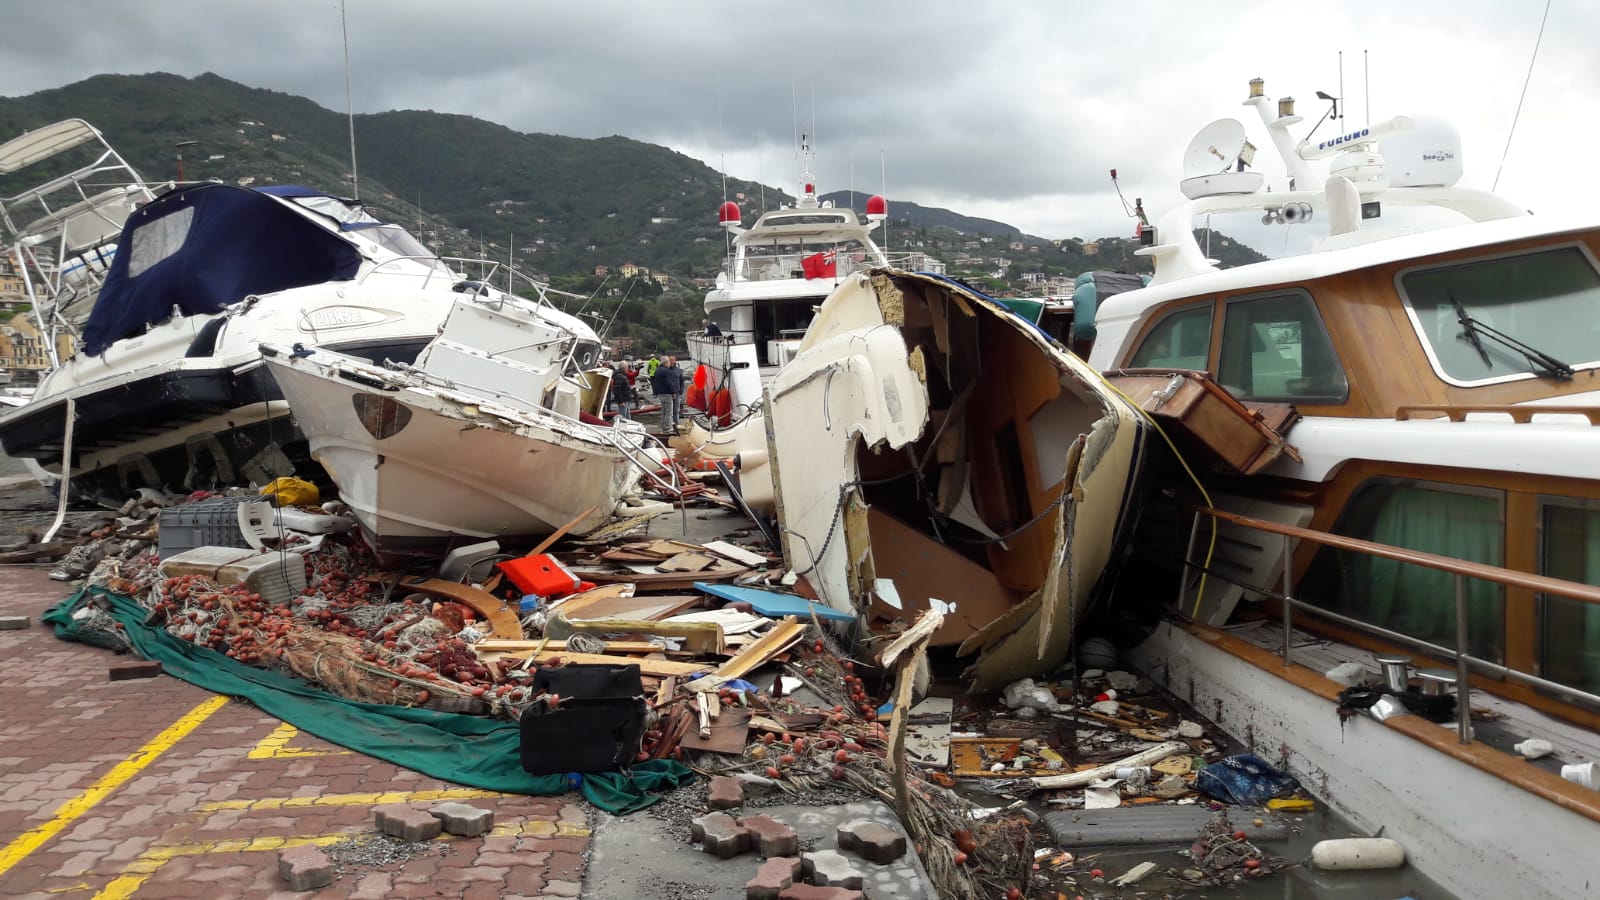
[
  {"x": 930, "y": 450},
  {"x": 1474, "y": 832},
  {"x": 436, "y": 469},
  {"x": 198, "y": 423}
]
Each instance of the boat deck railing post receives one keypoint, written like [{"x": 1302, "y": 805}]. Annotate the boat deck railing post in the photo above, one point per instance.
[
  {"x": 1463, "y": 686},
  {"x": 1288, "y": 605},
  {"x": 1188, "y": 562}
]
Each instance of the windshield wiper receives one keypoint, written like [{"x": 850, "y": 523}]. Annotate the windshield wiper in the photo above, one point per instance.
[{"x": 1474, "y": 331}]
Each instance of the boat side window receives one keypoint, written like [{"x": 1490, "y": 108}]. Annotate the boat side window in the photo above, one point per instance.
[
  {"x": 1466, "y": 523},
  {"x": 1182, "y": 340},
  {"x": 158, "y": 239},
  {"x": 1570, "y": 550},
  {"x": 1275, "y": 347},
  {"x": 1548, "y": 300}
]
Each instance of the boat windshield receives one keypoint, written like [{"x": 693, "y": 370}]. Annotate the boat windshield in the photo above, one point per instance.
[
  {"x": 348, "y": 216},
  {"x": 810, "y": 257},
  {"x": 1548, "y": 301},
  {"x": 400, "y": 242}
]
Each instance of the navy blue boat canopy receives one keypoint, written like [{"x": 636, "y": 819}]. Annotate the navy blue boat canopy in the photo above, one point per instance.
[{"x": 205, "y": 246}]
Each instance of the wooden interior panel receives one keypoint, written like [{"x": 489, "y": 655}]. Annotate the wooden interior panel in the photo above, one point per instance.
[{"x": 1008, "y": 488}]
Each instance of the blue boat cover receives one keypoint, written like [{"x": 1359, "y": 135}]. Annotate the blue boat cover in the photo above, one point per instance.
[{"x": 203, "y": 247}]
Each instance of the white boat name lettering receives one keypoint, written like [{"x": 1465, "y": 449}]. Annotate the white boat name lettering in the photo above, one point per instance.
[{"x": 340, "y": 317}]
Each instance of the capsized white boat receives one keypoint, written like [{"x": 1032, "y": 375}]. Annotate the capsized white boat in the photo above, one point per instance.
[
  {"x": 930, "y": 448},
  {"x": 485, "y": 436}
]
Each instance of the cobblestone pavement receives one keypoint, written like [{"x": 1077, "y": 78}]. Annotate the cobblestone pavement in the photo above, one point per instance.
[{"x": 156, "y": 788}]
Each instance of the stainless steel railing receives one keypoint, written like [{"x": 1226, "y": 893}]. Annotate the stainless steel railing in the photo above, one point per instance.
[{"x": 1461, "y": 569}]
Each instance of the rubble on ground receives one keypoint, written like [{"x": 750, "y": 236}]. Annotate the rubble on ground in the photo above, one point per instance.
[{"x": 740, "y": 681}]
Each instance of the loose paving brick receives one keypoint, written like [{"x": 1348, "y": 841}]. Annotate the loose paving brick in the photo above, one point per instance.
[
  {"x": 720, "y": 834},
  {"x": 305, "y": 868},
  {"x": 872, "y": 841},
  {"x": 830, "y": 868},
  {"x": 726, "y": 792},
  {"x": 771, "y": 837},
  {"x": 407, "y": 823},
  {"x": 132, "y": 670},
  {"x": 774, "y": 875},
  {"x": 14, "y": 623},
  {"x": 812, "y": 892},
  {"x": 463, "y": 819}
]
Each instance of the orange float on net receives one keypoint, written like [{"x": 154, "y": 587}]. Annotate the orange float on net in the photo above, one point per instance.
[
  {"x": 695, "y": 397},
  {"x": 700, "y": 377},
  {"x": 722, "y": 407}
]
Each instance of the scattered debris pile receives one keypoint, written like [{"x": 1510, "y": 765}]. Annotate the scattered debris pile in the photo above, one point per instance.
[{"x": 734, "y": 674}]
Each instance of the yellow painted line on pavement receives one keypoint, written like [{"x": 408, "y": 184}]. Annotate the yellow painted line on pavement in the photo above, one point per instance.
[
  {"x": 538, "y": 828},
  {"x": 370, "y": 799},
  {"x": 276, "y": 746},
  {"x": 151, "y": 861},
  {"x": 32, "y": 839}
]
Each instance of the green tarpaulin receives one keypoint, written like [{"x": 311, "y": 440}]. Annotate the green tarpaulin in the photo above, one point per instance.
[{"x": 475, "y": 751}]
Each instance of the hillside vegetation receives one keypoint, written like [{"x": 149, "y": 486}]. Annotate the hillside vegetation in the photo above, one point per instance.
[{"x": 557, "y": 206}]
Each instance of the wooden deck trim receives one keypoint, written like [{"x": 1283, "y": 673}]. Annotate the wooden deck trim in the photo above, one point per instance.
[{"x": 1511, "y": 769}]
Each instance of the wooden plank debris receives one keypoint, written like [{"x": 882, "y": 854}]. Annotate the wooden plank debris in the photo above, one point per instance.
[
  {"x": 502, "y": 619},
  {"x": 646, "y": 666},
  {"x": 1142, "y": 758},
  {"x": 906, "y": 654},
  {"x": 737, "y": 554},
  {"x": 780, "y": 638}
]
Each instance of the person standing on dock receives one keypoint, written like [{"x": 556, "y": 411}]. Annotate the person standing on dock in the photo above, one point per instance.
[
  {"x": 667, "y": 382},
  {"x": 622, "y": 395}
]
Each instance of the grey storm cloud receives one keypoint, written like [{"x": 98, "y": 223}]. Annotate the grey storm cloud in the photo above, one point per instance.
[{"x": 1013, "y": 111}]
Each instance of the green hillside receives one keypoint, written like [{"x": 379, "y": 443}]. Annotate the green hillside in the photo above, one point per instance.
[{"x": 559, "y": 206}]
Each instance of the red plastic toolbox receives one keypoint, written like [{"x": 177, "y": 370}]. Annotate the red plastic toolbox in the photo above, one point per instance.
[{"x": 543, "y": 575}]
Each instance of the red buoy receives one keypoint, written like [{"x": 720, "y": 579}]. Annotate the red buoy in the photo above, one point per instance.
[
  {"x": 722, "y": 407},
  {"x": 728, "y": 213},
  {"x": 695, "y": 397},
  {"x": 700, "y": 377},
  {"x": 877, "y": 205}
]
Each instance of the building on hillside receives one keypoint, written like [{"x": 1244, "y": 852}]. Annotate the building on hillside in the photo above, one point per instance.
[
  {"x": 1091, "y": 248},
  {"x": 1015, "y": 245},
  {"x": 600, "y": 271},
  {"x": 22, "y": 348},
  {"x": 661, "y": 278},
  {"x": 922, "y": 262}
]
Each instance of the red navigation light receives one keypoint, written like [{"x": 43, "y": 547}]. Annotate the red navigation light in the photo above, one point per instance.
[
  {"x": 728, "y": 213},
  {"x": 877, "y": 205},
  {"x": 810, "y": 188}
]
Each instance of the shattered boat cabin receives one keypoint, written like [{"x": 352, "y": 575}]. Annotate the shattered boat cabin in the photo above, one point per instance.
[{"x": 933, "y": 451}]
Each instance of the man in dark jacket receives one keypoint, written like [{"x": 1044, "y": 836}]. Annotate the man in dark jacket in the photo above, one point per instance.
[
  {"x": 622, "y": 396},
  {"x": 667, "y": 383}
]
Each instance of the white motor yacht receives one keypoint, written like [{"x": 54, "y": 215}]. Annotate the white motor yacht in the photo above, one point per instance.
[
  {"x": 1442, "y": 348},
  {"x": 154, "y": 299}
]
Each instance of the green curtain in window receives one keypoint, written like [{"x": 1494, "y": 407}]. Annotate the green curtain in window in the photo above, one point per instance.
[
  {"x": 1412, "y": 599},
  {"x": 1571, "y": 647}
]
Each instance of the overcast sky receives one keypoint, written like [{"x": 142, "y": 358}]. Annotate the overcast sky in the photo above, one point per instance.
[{"x": 1014, "y": 111}]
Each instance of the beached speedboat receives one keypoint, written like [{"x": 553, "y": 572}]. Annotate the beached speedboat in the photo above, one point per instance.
[
  {"x": 777, "y": 272},
  {"x": 1441, "y": 346},
  {"x": 493, "y": 433},
  {"x": 931, "y": 449},
  {"x": 154, "y": 299}
]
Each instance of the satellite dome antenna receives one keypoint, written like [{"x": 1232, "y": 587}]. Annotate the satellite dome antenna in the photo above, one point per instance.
[{"x": 1216, "y": 160}]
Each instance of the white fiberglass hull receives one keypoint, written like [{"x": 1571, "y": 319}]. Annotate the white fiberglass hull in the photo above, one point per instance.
[
  {"x": 438, "y": 467},
  {"x": 927, "y": 437}
]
